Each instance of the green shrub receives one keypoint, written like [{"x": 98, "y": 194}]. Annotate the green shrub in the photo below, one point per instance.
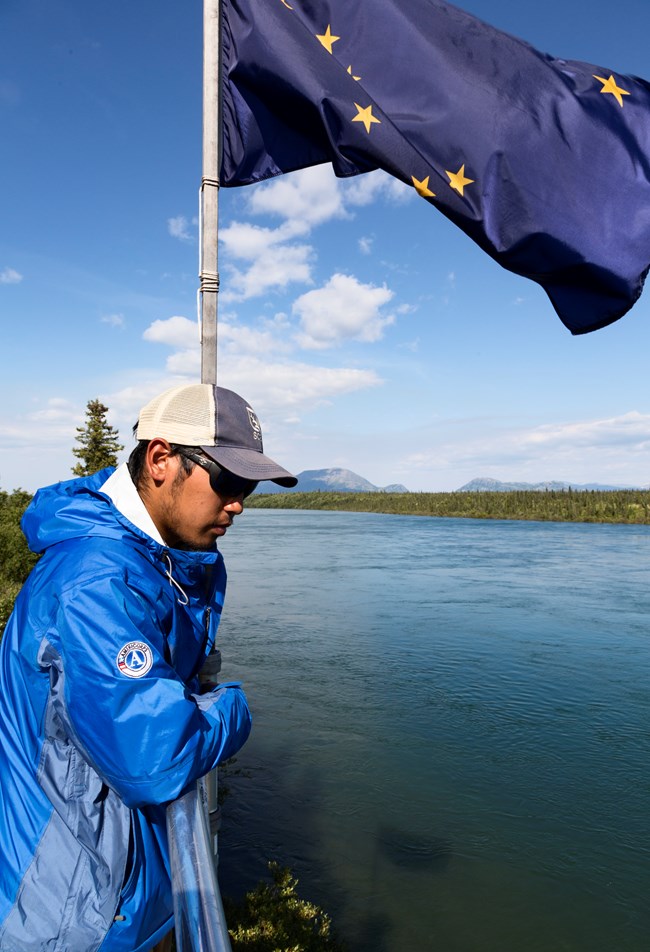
[
  {"x": 272, "y": 918},
  {"x": 16, "y": 560},
  {"x": 8, "y": 592}
]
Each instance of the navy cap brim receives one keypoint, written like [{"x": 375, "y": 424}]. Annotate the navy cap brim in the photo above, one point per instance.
[{"x": 250, "y": 464}]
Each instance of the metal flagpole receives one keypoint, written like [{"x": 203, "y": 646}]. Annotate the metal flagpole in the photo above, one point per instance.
[
  {"x": 208, "y": 273},
  {"x": 209, "y": 194},
  {"x": 192, "y": 820}
]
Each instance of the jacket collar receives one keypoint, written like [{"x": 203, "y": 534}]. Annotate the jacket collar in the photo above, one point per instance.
[{"x": 125, "y": 497}]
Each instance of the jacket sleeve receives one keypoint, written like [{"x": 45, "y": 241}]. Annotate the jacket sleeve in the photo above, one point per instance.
[{"x": 124, "y": 705}]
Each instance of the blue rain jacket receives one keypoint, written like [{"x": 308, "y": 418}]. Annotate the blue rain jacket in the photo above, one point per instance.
[{"x": 102, "y": 723}]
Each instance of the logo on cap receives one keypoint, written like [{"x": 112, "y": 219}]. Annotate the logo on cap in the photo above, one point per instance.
[
  {"x": 255, "y": 424},
  {"x": 135, "y": 659}
]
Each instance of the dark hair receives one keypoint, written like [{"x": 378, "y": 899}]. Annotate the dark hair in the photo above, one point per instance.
[{"x": 136, "y": 460}]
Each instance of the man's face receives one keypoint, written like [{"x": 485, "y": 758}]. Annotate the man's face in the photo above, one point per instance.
[{"x": 190, "y": 515}]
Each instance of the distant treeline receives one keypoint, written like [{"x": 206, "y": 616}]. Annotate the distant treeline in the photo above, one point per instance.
[{"x": 620, "y": 506}]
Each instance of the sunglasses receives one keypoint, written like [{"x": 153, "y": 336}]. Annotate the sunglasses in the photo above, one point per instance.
[{"x": 222, "y": 481}]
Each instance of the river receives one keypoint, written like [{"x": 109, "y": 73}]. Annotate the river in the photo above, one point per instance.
[{"x": 451, "y": 727}]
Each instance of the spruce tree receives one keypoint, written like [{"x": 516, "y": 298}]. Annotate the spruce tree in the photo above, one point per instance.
[{"x": 99, "y": 441}]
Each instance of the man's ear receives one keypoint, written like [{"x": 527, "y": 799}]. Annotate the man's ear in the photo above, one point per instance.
[{"x": 160, "y": 465}]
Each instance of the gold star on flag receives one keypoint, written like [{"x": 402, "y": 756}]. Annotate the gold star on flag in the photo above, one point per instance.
[
  {"x": 351, "y": 74},
  {"x": 457, "y": 179},
  {"x": 327, "y": 39},
  {"x": 422, "y": 188},
  {"x": 365, "y": 116},
  {"x": 609, "y": 86}
]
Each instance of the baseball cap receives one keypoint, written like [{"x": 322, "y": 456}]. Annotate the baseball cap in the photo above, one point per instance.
[{"x": 221, "y": 422}]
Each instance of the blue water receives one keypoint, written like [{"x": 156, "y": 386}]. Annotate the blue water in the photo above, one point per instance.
[{"x": 451, "y": 727}]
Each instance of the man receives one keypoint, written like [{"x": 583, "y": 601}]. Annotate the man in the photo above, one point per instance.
[{"x": 102, "y": 721}]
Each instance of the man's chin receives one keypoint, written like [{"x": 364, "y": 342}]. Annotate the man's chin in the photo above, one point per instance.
[{"x": 192, "y": 545}]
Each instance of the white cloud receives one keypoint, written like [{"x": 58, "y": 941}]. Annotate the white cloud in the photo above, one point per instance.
[
  {"x": 343, "y": 309},
  {"x": 185, "y": 363},
  {"x": 368, "y": 188},
  {"x": 275, "y": 260},
  {"x": 36, "y": 447},
  {"x": 174, "y": 331},
  {"x": 305, "y": 198},
  {"x": 610, "y": 451},
  {"x": 631, "y": 429},
  {"x": 255, "y": 364},
  {"x": 274, "y": 268},
  {"x": 314, "y": 196},
  {"x": 114, "y": 320},
  {"x": 234, "y": 339},
  {"x": 279, "y": 321},
  {"x": 10, "y": 276},
  {"x": 274, "y": 264},
  {"x": 276, "y": 386},
  {"x": 182, "y": 334},
  {"x": 178, "y": 228},
  {"x": 184, "y": 337},
  {"x": 411, "y": 345},
  {"x": 46, "y": 420},
  {"x": 57, "y": 409},
  {"x": 280, "y": 391},
  {"x": 247, "y": 241}
]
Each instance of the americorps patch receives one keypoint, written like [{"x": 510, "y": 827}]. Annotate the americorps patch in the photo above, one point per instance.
[{"x": 135, "y": 659}]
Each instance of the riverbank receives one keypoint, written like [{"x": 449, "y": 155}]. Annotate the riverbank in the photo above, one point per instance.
[{"x": 620, "y": 507}]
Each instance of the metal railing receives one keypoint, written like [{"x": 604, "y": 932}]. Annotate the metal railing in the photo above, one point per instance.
[
  {"x": 200, "y": 922},
  {"x": 192, "y": 825}
]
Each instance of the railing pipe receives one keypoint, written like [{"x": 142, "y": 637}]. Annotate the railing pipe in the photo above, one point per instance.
[{"x": 198, "y": 910}]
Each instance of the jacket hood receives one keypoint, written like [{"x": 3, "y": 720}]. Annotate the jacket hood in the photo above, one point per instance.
[
  {"x": 77, "y": 508},
  {"x": 70, "y": 509}
]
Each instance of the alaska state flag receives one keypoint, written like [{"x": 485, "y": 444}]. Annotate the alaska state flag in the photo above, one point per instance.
[{"x": 544, "y": 162}]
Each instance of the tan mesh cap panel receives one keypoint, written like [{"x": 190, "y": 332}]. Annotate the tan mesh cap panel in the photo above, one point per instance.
[{"x": 184, "y": 415}]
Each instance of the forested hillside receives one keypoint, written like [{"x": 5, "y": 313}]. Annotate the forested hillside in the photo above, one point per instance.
[{"x": 624, "y": 506}]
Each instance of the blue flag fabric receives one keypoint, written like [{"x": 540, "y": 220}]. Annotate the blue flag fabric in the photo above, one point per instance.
[{"x": 544, "y": 162}]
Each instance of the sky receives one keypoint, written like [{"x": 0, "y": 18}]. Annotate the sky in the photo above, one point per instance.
[{"x": 365, "y": 329}]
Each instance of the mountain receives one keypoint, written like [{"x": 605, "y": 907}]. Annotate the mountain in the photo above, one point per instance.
[
  {"x": 345, "y": 481},
  {"x": 495, "y": 486},
  {"x": 331, "y": 480}
]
